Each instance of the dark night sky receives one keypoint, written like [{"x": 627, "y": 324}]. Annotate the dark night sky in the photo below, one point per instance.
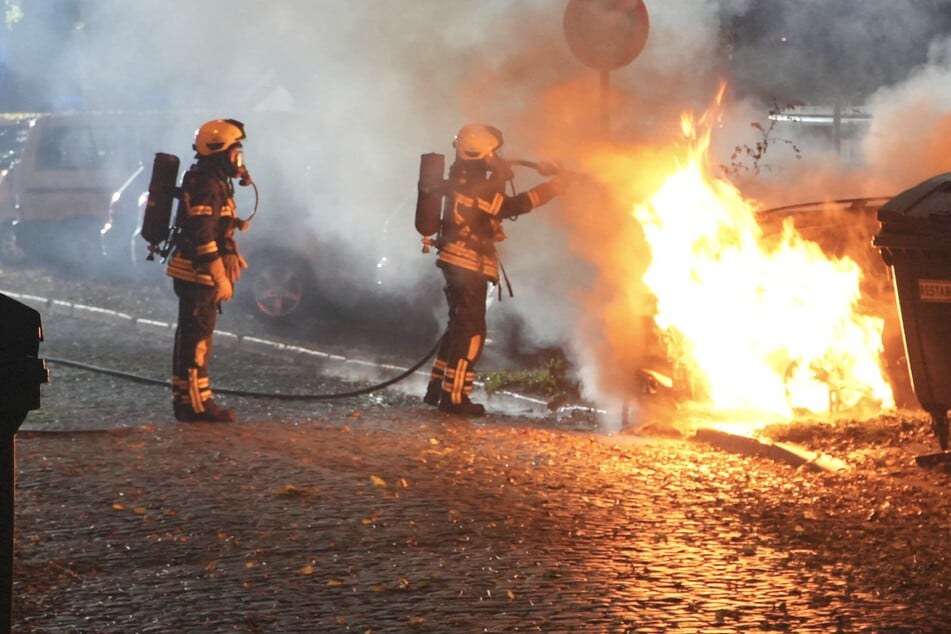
[{"x": 826, "y": 50}]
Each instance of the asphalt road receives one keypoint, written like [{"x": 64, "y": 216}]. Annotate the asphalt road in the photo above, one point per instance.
[{"x": 377, "y": 514}]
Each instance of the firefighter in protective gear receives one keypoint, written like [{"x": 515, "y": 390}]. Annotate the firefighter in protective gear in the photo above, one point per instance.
[
  {"x": 205, "y": 264},
  {"x": 475, "y": 205}
]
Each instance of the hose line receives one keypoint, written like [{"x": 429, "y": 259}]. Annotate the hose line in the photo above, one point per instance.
[{"x": 273, "y": 395}]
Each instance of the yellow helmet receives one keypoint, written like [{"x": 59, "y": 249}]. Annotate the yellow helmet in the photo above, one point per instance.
[
  {"x": 477, "y": 141},
  {"x": 217, "y": 136}
]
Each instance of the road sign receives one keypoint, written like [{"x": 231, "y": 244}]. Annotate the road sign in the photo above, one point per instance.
[{"x": 606, "y": 34}]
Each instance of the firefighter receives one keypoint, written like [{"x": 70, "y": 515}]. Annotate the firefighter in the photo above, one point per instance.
[
  {"x": 205, "y": 264},
  {"x": 475, "y": 205}
]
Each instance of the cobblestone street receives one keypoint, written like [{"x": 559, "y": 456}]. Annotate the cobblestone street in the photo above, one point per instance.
[{"x": 388, "y": 522}]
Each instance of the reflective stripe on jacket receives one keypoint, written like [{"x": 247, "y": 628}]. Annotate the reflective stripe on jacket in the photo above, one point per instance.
[
  {"x": 472, "y": 221},
  {"x": 206, "y": 217}
]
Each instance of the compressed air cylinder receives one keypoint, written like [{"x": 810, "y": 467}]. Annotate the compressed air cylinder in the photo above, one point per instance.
[
  {"x": 429, "y": 200},
  {"x": 157, "y": 221}
]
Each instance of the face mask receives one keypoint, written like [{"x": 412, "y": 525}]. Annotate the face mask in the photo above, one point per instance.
[{"x": 237, "y": 160}]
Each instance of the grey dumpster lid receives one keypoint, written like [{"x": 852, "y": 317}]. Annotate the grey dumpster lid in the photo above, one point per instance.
[{"x": 928, "y": 198}]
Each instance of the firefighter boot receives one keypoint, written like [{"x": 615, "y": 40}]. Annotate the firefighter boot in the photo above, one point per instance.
[
  {"x": 211, "y": 413},
  {"x": 463, "y": 408},
  {"x": 215, "y": 414},
  {"x": 433, "y": 392},
  {"x": 456, "y": 386},
  {"x": 183, "y": 412}
]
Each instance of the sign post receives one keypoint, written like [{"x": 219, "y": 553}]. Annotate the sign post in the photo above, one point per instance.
[{"x": 606, "y": 35}]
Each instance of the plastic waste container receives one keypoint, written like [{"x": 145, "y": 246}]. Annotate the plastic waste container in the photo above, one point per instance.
[
  {"x": 915, "y": 242},
  {"x": 21, "y": 373}
]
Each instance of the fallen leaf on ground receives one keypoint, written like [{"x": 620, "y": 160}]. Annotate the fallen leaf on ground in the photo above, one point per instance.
[{"x": 291, "y": 490}]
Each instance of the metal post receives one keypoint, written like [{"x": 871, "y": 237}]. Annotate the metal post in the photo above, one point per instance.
[
  {"x": 837, "y": 128},
  {"x": 7, "y": 493}
]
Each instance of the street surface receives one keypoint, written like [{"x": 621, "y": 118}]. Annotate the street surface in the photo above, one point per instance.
[{"x": 377, "y": 514}]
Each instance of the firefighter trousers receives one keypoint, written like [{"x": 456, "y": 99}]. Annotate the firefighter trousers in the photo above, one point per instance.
[
  {"x": 461, "y": 345},
  {"x": 197, "y": 314}
]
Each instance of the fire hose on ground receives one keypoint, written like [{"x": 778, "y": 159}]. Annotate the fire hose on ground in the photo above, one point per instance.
[{"x": 138, "y": 378}]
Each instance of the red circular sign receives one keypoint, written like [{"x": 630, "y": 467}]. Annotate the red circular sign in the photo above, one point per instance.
[{"x": 606, "y": 34}]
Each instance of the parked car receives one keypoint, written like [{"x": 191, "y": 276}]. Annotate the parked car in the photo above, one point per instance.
[{"x": 60, "y": 184}]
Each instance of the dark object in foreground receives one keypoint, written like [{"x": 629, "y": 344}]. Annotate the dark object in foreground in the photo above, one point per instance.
[
  {"x": 914, "y": 241},
  {"x": 21, "y": 374},
  {"x": 942, "y": 459}
]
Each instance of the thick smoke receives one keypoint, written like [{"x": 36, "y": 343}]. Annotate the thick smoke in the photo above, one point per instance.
[
  {"x": 881, "y": 59},
  {"x": 341, "y": 98},
  {"x": 910, "y": 136}
]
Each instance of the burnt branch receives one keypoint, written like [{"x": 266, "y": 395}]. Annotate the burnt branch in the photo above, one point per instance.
[{"x": 749, "y": 158}]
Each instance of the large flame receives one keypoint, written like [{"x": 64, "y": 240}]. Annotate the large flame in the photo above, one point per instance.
[{"x": 766, "y": 328}]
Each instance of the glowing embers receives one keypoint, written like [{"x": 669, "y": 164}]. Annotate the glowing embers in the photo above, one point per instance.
[{"x": 769, "y": 328}]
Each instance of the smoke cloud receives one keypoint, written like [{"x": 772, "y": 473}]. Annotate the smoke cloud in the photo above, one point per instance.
[{"x": 341, "y": 98}]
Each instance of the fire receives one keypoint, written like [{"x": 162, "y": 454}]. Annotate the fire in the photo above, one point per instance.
[{"x": 758, "y": 326}]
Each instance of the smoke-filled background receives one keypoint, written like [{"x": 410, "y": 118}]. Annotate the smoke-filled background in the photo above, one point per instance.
[{"x": 341, "y": 98}]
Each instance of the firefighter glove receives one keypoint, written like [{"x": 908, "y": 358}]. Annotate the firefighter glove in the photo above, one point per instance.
[
  {"x": 233, "y": 264},
  {"x": 223, "y": 287}
]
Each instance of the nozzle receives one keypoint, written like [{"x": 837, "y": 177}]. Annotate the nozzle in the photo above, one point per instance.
[{"x": 549, "y": 168}]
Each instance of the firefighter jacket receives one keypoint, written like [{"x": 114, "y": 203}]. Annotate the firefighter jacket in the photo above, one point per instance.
[
  {"x": 205, "y": 221},
  {"x": 472, "y": 219}
]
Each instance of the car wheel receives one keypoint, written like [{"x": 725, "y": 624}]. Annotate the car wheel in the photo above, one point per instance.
[{"x": 281, "y": 289}]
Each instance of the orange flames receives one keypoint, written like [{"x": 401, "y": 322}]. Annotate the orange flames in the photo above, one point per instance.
[{"x": 758, "y": 328}]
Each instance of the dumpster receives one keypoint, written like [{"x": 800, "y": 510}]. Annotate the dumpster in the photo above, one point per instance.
[
  {"x": 21, "y": 373},
  {"x": 915, "y": 242}
]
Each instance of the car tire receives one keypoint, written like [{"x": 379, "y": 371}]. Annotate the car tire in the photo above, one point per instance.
[{"x": 279, "y": 289}]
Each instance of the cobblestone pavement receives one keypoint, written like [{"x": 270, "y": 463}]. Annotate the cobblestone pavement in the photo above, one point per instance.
[
  {"x": 382, "y": 521},
  {"x": 374, "y": 514}
]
